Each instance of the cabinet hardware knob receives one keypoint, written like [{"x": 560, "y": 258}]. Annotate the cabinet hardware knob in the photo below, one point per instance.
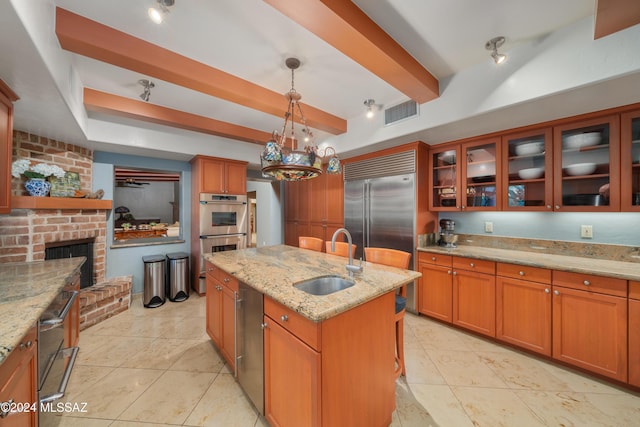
[
  {"x": 225, "y": 280},
  {"x": 455, "y": 274},
  {"x": 209, "y": 269},
  {"x": 448, "y": 271},
  {"x": 521, "y": 273},
  {"x": 264, "y": 325},
  {"x": 433, "y": 258},
  {"x": 557, "y": 206},
  {"x": 548, "y": 206},
  {"x": 284, "y": 317},
  {"x": 546, "y": 290},
  {"x": 586, "y": 283},
  {"x": 471, "y": 265},
  {"x": 556, "y": 292}
]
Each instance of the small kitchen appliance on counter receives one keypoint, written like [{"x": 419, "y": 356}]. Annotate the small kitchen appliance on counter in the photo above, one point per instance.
[{"x": 447, "y": 238}]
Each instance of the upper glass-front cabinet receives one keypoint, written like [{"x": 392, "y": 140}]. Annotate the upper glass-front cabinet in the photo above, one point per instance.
[
  {"x": 587, "y": 165},
  {"x": 630, "y": 161},
  {"x": 481, "y": 175},
  {"x": 528, "y": 170},
  {"x": 445, "y": 178}
]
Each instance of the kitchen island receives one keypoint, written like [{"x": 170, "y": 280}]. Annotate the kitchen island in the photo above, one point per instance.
[{"x": 330, "y": 359}]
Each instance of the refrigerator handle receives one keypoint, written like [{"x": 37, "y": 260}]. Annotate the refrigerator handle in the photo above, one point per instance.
[{"x": 365, "y": 216}]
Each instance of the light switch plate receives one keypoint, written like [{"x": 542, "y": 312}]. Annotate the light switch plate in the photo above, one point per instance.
[
  {"x": 586, "y": 232},
  {"x": 488, "y": 227}
]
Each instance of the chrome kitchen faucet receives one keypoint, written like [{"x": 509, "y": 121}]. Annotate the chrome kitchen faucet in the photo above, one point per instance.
[{"x": 350, "y": 267}]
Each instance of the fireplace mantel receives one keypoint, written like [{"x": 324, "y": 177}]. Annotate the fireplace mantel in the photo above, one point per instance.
[{"x": 28, "y": 202}]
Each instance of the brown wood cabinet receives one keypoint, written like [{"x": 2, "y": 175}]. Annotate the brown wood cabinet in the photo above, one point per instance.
[
  {"x": 634, "y": 333},
  {"x": 435, "y": 291},
  {"x": 317, "y": 374},
  {"x": 590, "y": 323},
  {"x": 313, "y": 208},
  {"x": 72, "y": 321},
  {"x": 210, "y": 175},
  {"x": 222, "y": 291},
  {"x": 19, "y": 382},
  {"x": 474, "y": 295},
  {"x": 630, "y": 161},
  {"x": 7, "y": 98},
  {"x": 523, "y": 307}
]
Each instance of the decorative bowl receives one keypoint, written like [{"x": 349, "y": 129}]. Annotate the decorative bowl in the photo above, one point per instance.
[
  {"x": 534, "y": 147},
  {"x": 531, "y": 173},
  {"x": 580, "y": 169},
  {"x": 583, "y": 140}
]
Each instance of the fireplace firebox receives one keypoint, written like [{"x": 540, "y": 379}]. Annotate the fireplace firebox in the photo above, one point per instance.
[{"x": 74, "y": 248}]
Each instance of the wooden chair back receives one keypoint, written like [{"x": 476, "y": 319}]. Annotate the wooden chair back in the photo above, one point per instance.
[
  {"x": 390, "y": 257},
  {"x": 342, "y": 249},
  {"x": 313, "y": 243}
]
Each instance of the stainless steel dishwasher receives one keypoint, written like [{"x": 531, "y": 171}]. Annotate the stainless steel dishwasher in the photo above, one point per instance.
[{"x": 249, "y": 344}]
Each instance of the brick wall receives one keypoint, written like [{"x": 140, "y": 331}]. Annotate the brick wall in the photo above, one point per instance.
[{"x": 69, "y": 157}]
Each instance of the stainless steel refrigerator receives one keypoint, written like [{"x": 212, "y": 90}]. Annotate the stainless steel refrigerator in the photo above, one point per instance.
[{"x": 381, "y": 212}]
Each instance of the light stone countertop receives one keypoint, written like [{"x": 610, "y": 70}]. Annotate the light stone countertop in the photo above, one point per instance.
[
  {"x": 26, "y": 290},
  {"x": 576, "y": 264},
  {"x": 273, "y": 270}
]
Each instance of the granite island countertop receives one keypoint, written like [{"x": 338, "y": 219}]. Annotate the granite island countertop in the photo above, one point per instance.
[
  {"x": 577, "y": 264},
  {"x": 273, "y": 270},
  {"x": 26, "y": 290}
]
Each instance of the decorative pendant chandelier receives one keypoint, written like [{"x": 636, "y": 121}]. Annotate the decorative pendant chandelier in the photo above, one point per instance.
[{"x": 281, "y": 158}]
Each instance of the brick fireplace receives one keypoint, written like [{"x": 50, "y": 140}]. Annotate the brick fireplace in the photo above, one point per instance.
[{"x": 25, "y": 232}]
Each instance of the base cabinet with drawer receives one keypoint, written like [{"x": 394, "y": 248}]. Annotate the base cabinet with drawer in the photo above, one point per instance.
[
  {"x": 221, "y": 297},
  {"x": 590, "y": 323},
  {"x": 435, "y": 287},
  {"x": 634, "y": 333},
  {"x": 523, "y": 307},
  {"x": 325, "y": 374},
  {"x": 474, "y": 295},
  {"x": 19, "y": 383}
]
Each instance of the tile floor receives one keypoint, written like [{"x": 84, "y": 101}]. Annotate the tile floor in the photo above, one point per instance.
[{"x": 155, "y": 367}]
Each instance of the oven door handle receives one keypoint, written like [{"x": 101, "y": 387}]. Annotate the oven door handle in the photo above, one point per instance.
[
  {"x": 65, "y": 378},
  {"x": 47, "y": 324},
  {"x": 221, "y": 202}
]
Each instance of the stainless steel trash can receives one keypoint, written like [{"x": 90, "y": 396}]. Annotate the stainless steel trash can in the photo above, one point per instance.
[
  {"x": 154, "y": 295},
  {"x": 178, "y": 276}
]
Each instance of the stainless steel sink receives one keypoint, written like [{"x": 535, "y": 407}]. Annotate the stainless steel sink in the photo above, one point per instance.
[{"x": 324, "y": 285}]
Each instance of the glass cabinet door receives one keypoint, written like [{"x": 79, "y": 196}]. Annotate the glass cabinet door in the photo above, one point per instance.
[
  {"x": 481, "y": 175},
  {"x": 587, "y": 165},
  {"x": 444, "y": 179},
  {"x": 630, "y": 161},
  {"x": 528, "y": 171}
]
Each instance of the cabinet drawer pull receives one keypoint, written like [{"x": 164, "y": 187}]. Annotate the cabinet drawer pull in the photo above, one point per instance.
[
  {"x": 586, "y": 283},
  {"x": 433, "y": 258},
  {"x": 546, "y": 290},
  {"x": 225, "y": 280},
  {"x": 26, "y": 345},
  {"x": 284, "y": 317},
  {"x": 556, "y": 292},
  {"x": 521, "y": 273},
  {"x": 471, "y": 265},
  {"x": 264, "y": 325}
]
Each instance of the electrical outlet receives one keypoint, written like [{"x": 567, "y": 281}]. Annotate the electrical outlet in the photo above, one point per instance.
[
  {"x": 586, "y": 232},
  {"x": 488, "y": 227}
]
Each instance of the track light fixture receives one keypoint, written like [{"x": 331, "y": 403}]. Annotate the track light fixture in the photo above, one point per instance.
[
  {"x": 157, "y": 13},
  {"x": 369, "y": 103},
  {"x": 493, "y": 46},
  {"x": 147, "y": 85}
]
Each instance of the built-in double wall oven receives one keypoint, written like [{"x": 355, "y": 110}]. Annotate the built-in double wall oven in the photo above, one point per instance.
[{"x": 223, "y": 225}]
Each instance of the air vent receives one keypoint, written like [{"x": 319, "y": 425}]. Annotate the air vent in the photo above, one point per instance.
[
  {"x": 400, "y": 112},
  {"x": 393, "y": 164}
]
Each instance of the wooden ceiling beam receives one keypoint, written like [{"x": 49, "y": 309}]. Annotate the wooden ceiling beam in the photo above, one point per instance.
[
  {"x": 347, "y": 28},
  {"x": 615, "y": 15},
  {"x": 89, "y": 38},
  {"x": 102, "y": 102}
]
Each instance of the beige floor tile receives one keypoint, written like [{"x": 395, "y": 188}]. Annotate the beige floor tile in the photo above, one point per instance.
[
  {"x": 170, "y": 399},
  {"x": 68, "y": 421},
  {"x": 410, "y": 412},
  {"x": 84, "y": 377},
  {"x": 420, "y": 369},
  {"x": 567, "y": 409},
  {"x": 200, "y": 357},
  {"x": 224, "y": 404},
  {"x": 487, "y": 407},
  {"x": 442, "y": 404},
  {"x": 116, "y": 391},
  {"x": 115, "y": 351},
  {"x": 138, "y": 424},
  {"x": 622, "y": 407},
  {"x": 521, "y": 372},
  {"x": 464, "y": 368},
  {"x": 161, "y": 353},
  {"x": 579, "y": 382}
]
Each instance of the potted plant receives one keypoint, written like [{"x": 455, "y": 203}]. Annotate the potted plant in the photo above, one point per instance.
[{"x": 36, "y": 175}]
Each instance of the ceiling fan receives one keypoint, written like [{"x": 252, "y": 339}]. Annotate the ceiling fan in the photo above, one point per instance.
[{"x": 130, "y": 182}]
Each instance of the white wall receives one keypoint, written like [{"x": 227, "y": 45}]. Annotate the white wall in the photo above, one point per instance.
[{"x": 269, "y": 215}]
